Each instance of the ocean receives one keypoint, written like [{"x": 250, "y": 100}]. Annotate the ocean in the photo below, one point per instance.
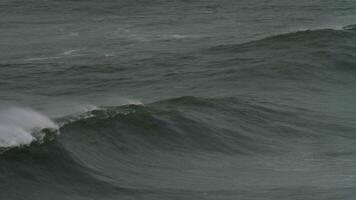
[{"x": 199, "y": 99}]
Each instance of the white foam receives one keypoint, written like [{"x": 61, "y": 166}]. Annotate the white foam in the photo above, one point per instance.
[
  {"x": 43, "y": 58},
  {"x": 69, "y": 52},
  {"x": 134, "y": 102},
  {"x": 14, "y": 136},
  {"x": 178, "y": 36},
  {"x": 18, "y": 126}
]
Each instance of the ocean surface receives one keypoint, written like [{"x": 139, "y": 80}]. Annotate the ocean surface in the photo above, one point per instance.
[{"x": 177, "y": 100}]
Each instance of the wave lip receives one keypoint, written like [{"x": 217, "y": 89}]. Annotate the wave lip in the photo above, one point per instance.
[{"x": 20, "y": 127}]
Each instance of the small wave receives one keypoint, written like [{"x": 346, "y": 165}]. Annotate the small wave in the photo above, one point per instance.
[
  {"x": 351, "y": 27},
  {"x": 21, "y": 127},
  {"x": 43, "y": 58},
  {"x": 73, "y": 51},
  {"x": 69, "y": 52},
  {"x": 178, "y": 36},
  {"x": 309, "y": 37}
]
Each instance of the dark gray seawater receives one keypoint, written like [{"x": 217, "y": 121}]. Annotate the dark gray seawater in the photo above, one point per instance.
[{"x": 139, "y": 99}]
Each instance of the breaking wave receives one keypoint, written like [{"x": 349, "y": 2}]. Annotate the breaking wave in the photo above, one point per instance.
[{"x": 21, "y": 127}]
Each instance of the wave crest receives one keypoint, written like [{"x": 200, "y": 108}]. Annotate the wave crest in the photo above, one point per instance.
[{"x": 21, "y": 127}]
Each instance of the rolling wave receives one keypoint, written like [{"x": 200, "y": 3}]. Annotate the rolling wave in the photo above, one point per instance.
[
  {"x": 185, "y": 124},
  {"x": 128, "y": 149}
]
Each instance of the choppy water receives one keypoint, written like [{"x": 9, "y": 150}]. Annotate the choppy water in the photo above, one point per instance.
[{"x": 119, "y": 99}]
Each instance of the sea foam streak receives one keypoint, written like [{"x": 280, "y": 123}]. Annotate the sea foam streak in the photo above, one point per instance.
[{"x": 19, "y": 127}]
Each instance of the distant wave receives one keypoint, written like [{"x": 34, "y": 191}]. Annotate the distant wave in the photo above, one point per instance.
[
  {"x": 310, "y": 56},
  {"x": 306, "y": 37}
]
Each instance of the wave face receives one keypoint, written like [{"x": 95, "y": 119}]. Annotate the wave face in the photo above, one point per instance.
[
  {"x": 177, "y": 100},
  {"x": 178, "y": 147}
]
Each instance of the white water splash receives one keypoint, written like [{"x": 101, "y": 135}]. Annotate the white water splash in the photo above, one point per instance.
[{"x": 19, "y": 127}]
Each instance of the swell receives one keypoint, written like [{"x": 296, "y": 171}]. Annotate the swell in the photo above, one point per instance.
[
  {"x": 133, "y": 146},
  {"x": 311, "y": 56},
  {"x": 180, "y": 125},
  {"x": 130, "y": 149},
  {"x": 194, "y": 125},
  {"x": 236, "y": 124},
  {"x": 308, "y": 38}
]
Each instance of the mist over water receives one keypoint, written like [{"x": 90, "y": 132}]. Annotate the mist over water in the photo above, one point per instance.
[
  {"x": 177, "y": 99},
  {"x": 21, "y": 127}
]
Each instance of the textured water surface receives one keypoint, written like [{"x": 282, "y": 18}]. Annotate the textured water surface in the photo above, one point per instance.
[{"x": 119, "y": 99}]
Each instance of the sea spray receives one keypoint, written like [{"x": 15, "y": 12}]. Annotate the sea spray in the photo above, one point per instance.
[{"x": 20, "y": 126}]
